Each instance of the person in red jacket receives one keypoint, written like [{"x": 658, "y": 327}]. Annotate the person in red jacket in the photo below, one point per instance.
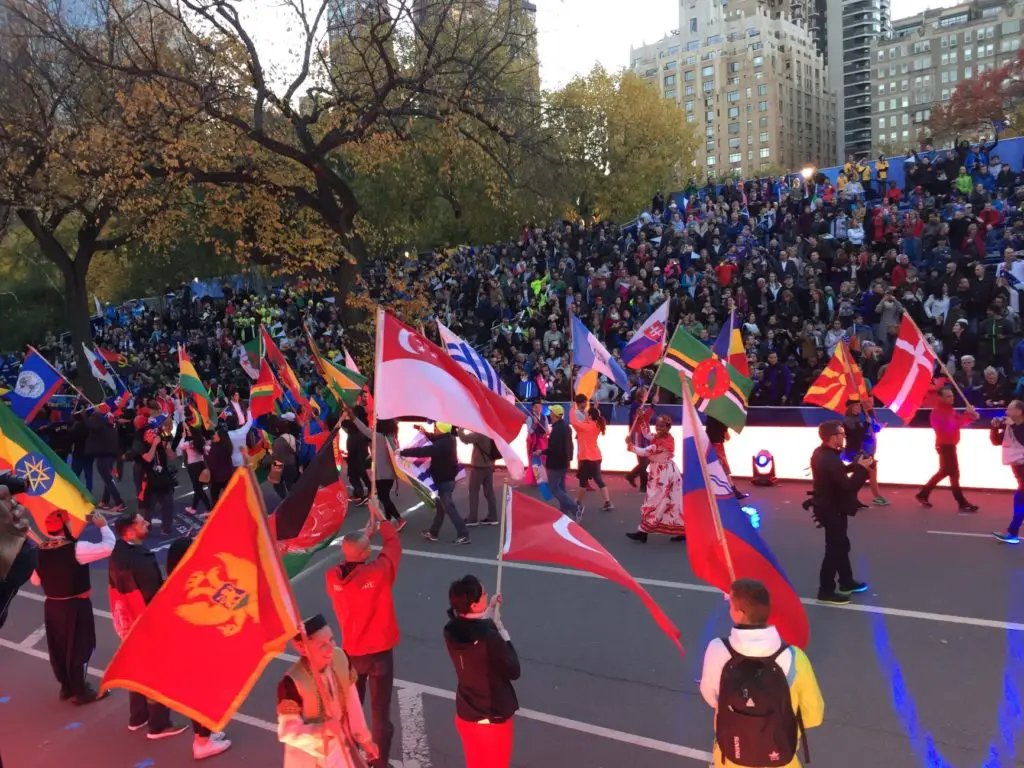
[
  {"x": 360, "y": 590},
  {"x": 947, "y": 423}
]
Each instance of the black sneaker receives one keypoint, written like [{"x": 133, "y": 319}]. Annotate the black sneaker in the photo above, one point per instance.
[
  {"x": 88, "y": 696},
  {"x": 429, "y": 535},
  {"x": 855, "y": 588},
  {"x": 967, "y": 509},
  {"x": 472, "y": 523},
  {"x": 740, "y": 495},
  {"x": 461, "y": 540},
  {"x": 680, "y": 537},
  {"x": 171, "y": 729},
  {"x": 137, "y": 726},
  {"x": 640, "y": 536},
  {"x": 923, "y": 501},
  {"x": 607, "y": 507},
  {"x": 491, "y": 521},
  {"x": 834, "y": 598}
]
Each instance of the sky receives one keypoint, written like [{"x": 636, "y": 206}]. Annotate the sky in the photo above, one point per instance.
[{"x": 573, "y": 35}]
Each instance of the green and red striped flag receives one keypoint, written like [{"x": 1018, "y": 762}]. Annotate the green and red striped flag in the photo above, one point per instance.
[
  {"x": 189, "y": 381},
  {"x": 719, "y": 390},
  {"x": 264, "y": 392}
]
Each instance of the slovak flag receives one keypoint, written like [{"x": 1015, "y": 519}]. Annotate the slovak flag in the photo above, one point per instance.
[
  {"x": 648, "y": 343},
  {"x": 416, "y": 378},
  {"x": 538, "y": 533},
  {"x": 590, "y": 355},
  {"x": 908, "y": 376},
  {"x": 742, "y": 553}
]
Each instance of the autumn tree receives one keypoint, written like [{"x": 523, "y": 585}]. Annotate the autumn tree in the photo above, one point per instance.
[
  {"x": 623, "y": 142},
  {"x": 977, "y": 104},
  {"x": 368, "y": 77}
]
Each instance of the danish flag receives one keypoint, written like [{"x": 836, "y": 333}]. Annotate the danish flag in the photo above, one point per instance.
[{"x": 909, "y": 375}]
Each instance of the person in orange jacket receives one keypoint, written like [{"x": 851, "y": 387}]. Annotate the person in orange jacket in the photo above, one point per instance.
[{"x": 361, "y": 592}]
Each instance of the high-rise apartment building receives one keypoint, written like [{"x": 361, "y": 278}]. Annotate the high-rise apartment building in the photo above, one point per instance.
[
  {"x": 852, "y": 26},
  {"x": 751, "y": 81},
  {"x": 927, "y": 56}
]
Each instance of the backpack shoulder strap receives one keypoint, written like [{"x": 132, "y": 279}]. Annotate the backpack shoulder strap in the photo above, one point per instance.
[
  {"x": 775, "y": 656},
  {"x": 728, "y": 647}
]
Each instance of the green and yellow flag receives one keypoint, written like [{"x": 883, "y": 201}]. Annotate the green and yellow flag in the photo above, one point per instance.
[{"x": 190, "y": 382}]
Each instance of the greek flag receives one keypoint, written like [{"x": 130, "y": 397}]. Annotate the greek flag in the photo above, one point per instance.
[{"x": 473, "y": 363}]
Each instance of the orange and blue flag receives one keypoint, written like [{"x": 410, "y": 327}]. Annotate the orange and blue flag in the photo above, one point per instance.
[
  {"x": 740, "y": 553},
  {"x": 729, "y": 346}
]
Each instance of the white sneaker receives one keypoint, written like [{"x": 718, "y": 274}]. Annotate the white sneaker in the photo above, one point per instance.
[{"x": 210, "y": 748}]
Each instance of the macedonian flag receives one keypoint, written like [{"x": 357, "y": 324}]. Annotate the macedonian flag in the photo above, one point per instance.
[
  {"x": 50, "y": 483},
  {"x": 840, "y": 381},
  {"x": 223, "y": 614}
]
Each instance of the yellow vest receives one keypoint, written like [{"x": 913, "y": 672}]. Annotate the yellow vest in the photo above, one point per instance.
[{"x": 882, "y": 168}]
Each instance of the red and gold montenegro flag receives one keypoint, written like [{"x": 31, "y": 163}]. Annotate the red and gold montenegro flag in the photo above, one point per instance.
[
  {"x": 841, "y": 380},
  {"x": 224, "y": 613}
]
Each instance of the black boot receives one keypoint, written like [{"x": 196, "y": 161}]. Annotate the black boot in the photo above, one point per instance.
[{"x": 640, "y": 536}]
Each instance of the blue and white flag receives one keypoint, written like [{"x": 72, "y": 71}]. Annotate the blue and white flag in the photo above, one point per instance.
[
  {"x": 37, "y": 382},
  {"x": 473, "y": 363},
  {"x": 590, "y": 355}
]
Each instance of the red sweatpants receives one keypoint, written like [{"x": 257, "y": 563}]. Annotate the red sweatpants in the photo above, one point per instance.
[{"x": 486, "y": 746}]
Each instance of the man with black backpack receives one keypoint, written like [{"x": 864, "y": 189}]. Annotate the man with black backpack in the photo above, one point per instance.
[{"x": 764, "y": 692}]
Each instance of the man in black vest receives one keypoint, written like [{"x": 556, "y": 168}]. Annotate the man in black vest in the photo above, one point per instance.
[{"x": 63, "y": 573}]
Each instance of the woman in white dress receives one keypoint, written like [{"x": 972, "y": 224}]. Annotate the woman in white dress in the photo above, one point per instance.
[{"x": 662, "y": 510}]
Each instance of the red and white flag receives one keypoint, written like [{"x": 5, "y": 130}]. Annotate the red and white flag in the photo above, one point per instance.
[
  {"x": 100, "y": 369},
  {"x": 908, "y": 376},
  {"x": 538, "y": 533},
  {"x": 417, "y": 378}
]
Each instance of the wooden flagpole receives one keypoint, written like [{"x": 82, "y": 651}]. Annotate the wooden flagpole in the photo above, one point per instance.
[
  {"x": 847, "y": 365},
  {"x": 378, "y": 350},
  {"x": 691, "y": 412},
  {"x": 506, "y": 499}
]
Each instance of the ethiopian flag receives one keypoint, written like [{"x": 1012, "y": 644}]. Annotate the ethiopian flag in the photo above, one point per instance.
[
  {"x": 228, "y": 598},
  {"x": 189, "y": 381},
  {"x": 719, "y": 390},
  {"x": 51, "y": 483}
]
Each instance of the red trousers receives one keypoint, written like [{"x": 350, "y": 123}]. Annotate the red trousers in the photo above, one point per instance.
[{"x": 486, "y": 746}]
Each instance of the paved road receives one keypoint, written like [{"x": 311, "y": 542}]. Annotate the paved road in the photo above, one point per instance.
[{"x": 928, "y": 657}]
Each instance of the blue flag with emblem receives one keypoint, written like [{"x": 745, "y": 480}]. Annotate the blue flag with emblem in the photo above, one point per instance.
[{"x": 37, "y": 382}]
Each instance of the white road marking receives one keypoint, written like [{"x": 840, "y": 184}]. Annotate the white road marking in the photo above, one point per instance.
[
  {"x": 184, "y": 495},
  {"x": 33, "y": 639},
  {"x": 1008, "y": 626},
  {"x": 415, "y": 747},
  {"x": 419, "y": 689},
  {"x": 962, "y": 533}
]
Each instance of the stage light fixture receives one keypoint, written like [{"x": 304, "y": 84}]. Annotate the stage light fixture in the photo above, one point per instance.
[{"x": 763, "y": 469}]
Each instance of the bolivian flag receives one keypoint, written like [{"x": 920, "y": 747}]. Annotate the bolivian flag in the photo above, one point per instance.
[
  {"x": 264, "y": 392},
  {"x": 51, "y": 483},
  {"x": 189, "y": 381}
]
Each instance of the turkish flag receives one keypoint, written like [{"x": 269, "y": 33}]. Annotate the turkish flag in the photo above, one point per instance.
[
  {"x": 537, "y": 533},
  {"x": 220, "y": 618},
  {"x": 908, "y": 376},
  {"x": 417, "y": 378}
]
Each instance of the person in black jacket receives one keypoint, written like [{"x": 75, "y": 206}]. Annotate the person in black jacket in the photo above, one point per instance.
[
  {"x": 485, "y": 663},
  {"x": 834, "y": 499},
  {"x": 557, "y": 458},
  {"x": 102, "y": 446},
  {"x": 357, "y": 446},
  {"x": 81, "y": 463},
  {"x": 134, "y": 578},
  {"x": 442, "y": 450}
]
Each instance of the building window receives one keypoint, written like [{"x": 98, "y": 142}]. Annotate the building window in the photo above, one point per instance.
[
  {"x": 906, "y": 135},
  {"x": 688, "y": 90},
  {"x": 904, "y": 84},
  {"x": 670, "y": 66},
  {"x": 945, "y": 94},
  {"x": 733, "y": 96},
  {"x": 709, "y": 131},
  {"x": 709, "y": 116},
  {"x": 689, "y": 106},
  {"x": 762, "y": 90},
  {"x": 1011, "y": 27},
  {"x": 892, "y": 87},
  {"x": 905, "y": 102},
  {"x": 1009, "y": 45},
  {"x": 967, "y": 36},
  {"x": 693, "y": 26},
  {"x": 905, "y": 119},
  {"x": 710, "y": 146},
  {"x": 762, "y": 106},
  {"x": 763, "y": 137},
  {"x": 711, "y": 159},
  {"x": 670, "y": 80},
  {"x": 734, "y": 67},
  {"x": 881, "y": 55},
  {"x": 759, "y": 61},
  {"x": 967, "y": 73},
  {"x": 892, "y": 121},
  {"x": 735, "y": 157},
  {"x": 881, "y": 89},
  {"x": 733, "y": 81},
  {"x": 765, "y": 152},
  {"x": 734, "y": 112},
  {"x": 691, "y": 118},
  {"x": 734, "y": 143},
  {"x": 734, "y": 128},
  {"x": 689, "y": 75},
  {"x": 670, "y": 93},
  {"x": 892, "y": 103},
  {"x": 708, "y": 71},
  {"x": 881, "y": 122},
  {"x": 709, "y": 86}
]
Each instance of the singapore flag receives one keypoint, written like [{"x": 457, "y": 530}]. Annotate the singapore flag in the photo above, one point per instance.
[
  {"x": 538, "y": 533},
  {"x": 415, "y": 377}
]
